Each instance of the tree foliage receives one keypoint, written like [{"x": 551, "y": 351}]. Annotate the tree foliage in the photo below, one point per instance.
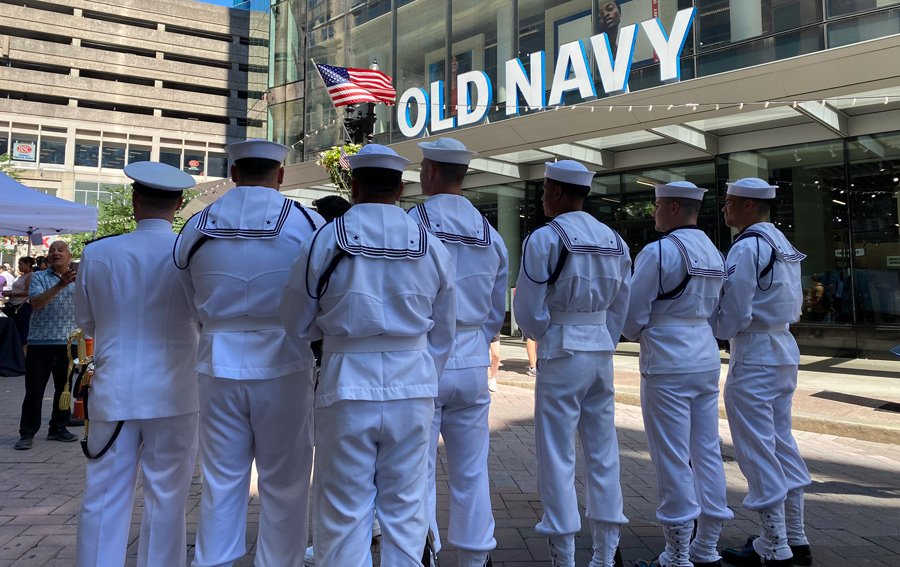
[
  {"x": 116, "y": 216},
  {"x": 330, "y": 159},
  {"x": 7, "y": 167}
]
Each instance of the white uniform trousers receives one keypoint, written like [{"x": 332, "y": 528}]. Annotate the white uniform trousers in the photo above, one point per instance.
[
  {"x": 372, "y": 455},
  {"x": 758, "y": 403},
  {"x": 269, "y": 421},
  {"x": 461, "y": 418},
  {"x": 165, "y": 451},
  {"x": 575, "y": 394},
  {"x": 681, "y": 418}
]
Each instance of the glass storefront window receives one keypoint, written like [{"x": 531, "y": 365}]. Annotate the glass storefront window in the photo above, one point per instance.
[
  {"x": 720, "y": 22},
  {"x": 24, "y": 148},
  {"x": 421, "y": 47},
  {"x": 138, "y": 153},
  {"x": 4, "y": 144},
  {"x": 286, "y": 50},
  {"x": 862, "y": 28},
  {"x": 217, "y": 165},
  {"x": 87, "y": 154},
  {"x": 193, "y": 162},
  {"x": 170, "y": 156},
  {"x": 294, "y": 130},
  {"x": 764, "y": 50},
  {"x": 844, "y": 7},
  {"x": 873, "y": 211},
  {"x": 113, "y": 156},
  {"x": 53, "y": 151}
]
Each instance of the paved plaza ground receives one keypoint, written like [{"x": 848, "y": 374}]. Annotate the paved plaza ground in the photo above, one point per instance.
[{"x": 853, "y": 505}]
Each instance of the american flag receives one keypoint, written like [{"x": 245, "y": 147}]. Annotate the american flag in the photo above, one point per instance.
[
  {"x": 343, "y": 161},
  {"x": 350, "y": 86}
]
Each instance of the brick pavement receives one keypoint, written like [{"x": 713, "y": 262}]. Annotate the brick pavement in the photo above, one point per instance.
[{"x": 853, "y": 506}]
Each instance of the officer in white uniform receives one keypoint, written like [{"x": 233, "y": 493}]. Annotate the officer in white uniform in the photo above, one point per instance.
[
  {"x": 143, "y": 397},
  {"x": 256, "y": 383},
  {"x": 761, "y": 297},
  {"x": 675, "y": 290},
  {"x": 572, "y": 298},
  {"x": 461, "y": 408},
  {"x": 379, "y": 289}
]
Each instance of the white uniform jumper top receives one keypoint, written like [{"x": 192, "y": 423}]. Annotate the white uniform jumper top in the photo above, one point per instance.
[
  {"x": 256, "y": 382},
  {"x": 675, "y": 290},
  {"x": 391, "y": 285},
  {"x": 575, "y": 311},
  {"x": 461, "y": 408}
]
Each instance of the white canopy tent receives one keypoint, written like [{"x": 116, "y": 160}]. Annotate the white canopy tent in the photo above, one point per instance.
[{"x": 24, "y": 211}]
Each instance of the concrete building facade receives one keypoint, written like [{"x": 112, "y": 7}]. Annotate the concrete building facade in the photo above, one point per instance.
[{"x": 88, "y": 86}]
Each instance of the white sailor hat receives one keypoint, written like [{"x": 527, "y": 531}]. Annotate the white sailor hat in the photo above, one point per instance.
[
  {"x": 376, "y": 155},
  {"x": 569, "y": 171},
  {"x": 159, "y": 176},
  {"x": 447, "y": 150},
  {"x": 257, "y": 148},
  {"x": 752, "y": 187},
  {"x": 680, "y": 190}
]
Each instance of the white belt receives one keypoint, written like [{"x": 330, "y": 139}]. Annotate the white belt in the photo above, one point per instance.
[
  {"x": 465, "y": 328},
  {"x": 761, "y": 327},
  {"x": 577, "y": 318},
  {"x": 242, "y": 324},
  {"x": 378, "y": 343},
  {"x": 662, "y": 320}
]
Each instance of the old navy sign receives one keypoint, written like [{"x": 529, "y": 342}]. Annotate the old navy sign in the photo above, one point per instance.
[{"x": 572, "y": 73}]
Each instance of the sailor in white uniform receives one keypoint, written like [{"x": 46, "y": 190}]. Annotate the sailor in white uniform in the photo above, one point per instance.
[
  {"x": 761, "y": 297},
  {"x": 461, "y": 408},
  {"x": 256, "y": 383},
  {"x": 572, "y": 298},
  {"x": 380, "y": 290},
  {"x": 675, "y": 290},
  {"x": 142, "y": 404}
]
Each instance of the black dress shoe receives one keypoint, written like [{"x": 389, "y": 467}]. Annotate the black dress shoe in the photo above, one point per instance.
[
  {"x": 802, "y": 555},
  {"x": 24, "y": 444},
  {"x": 63, "y": 435},
  {"x": 747, "y": 557}
]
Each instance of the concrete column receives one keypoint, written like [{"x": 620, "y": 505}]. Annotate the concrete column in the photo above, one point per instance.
[
  {"x": 747, "y": 165},
  {"x": 506, "y": 27},
  {"x": 746, "y": 19}
]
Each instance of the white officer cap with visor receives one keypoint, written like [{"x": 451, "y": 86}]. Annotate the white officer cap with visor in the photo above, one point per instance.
[
  {"x": 447, "y": 150},
  {"x": 159, "y": 176},
  {"x": 376, "y": 155},
  {"x": 752, "y": 188},
  {"x": 680, "y": 190},
  {"x": 569, "y": 171},
  {"x": 257, "y": 148}
]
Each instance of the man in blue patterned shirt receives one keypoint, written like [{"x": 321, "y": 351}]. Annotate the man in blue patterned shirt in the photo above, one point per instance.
[{"x": 53, "y": 320}]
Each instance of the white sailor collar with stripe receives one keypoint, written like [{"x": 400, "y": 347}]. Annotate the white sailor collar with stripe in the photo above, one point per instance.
[
  {"x": 380, "y": 231},
  {"x": 582, "y": 233},
  {"x": 453, "y": 218},
  {"x": 784, "y": 250},
  {"x": 229, "y": 218},
  {"x": 701, "y": 261}
]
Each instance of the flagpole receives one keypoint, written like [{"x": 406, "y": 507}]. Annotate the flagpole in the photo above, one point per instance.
[{"x": 343, "y": 124}]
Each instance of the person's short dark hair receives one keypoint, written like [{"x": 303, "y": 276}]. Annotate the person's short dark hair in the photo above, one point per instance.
[
  {"x": 763, "y": 206},
  {"x": 378, "y": 179},
  {"x": 450, "y": 172},
  {"x": 331, "y": 206},
  {"x": 571, "y": 190},
  {"x": 689, "y": 205},
  {"x": 27, "y": 260},
  {"x": 159, "y": 196},
  {"x": 40, "y": 261},
  {"x": 256, "y": 167}
]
